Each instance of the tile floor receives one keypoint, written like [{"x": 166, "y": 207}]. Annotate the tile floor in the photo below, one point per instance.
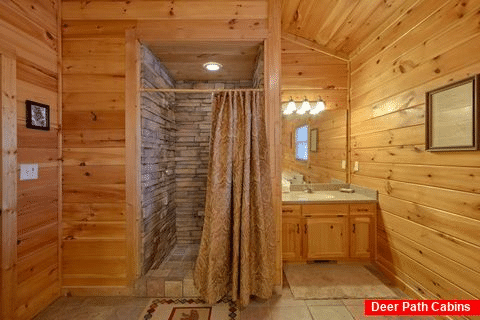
[
  {"x": 174, "y": 276},
  {"x": 279, "y": 307}
]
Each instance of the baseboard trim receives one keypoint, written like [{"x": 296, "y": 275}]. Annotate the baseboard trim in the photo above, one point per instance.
[{"x": 97, "y": 291}]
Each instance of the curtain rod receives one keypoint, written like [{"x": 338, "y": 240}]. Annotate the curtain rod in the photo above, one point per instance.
[{"x": 195, "y": 90}]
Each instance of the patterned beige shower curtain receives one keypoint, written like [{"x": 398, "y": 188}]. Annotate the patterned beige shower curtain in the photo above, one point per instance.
[{"x": 237, "y": 249}]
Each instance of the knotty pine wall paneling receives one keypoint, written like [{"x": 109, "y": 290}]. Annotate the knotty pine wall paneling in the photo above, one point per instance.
[
  {"x": 29, "y": 34},
  {"x": 308, "y": 73},
  {"x": 94, "y": 119},
  {"x": 429, "y": 202},
  {"x": 94, "y": 228}
]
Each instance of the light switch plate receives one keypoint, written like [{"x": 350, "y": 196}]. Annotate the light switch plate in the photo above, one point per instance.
[
  {"x": 29, "y": 171},
  {"x": 344, "y": 164},
  {"x": 355, "y": 166}
]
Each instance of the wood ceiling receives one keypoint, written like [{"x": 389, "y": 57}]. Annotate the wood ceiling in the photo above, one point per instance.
[
  {"x": 342, "y": 26},
  {"x": 337, "y": 27},
  {"x": 185, "y": 60}
]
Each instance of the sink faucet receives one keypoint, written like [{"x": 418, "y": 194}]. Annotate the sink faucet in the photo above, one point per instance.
[{"x": 308, "y": 189}]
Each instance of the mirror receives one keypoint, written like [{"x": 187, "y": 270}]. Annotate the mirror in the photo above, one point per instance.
[{"x": 309, "y": 74}]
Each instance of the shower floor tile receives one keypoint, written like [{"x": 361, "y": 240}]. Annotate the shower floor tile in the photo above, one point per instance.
[{"x": 174, "y": 273}]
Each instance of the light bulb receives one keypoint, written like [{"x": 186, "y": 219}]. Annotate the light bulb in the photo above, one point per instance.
[
  {"x": 319, "y": 107},
  {"x": 305, "y": 107},
  {"x": 291, "y": 107}
]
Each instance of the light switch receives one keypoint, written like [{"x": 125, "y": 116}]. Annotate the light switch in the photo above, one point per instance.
[
  {"x": 29, "y": 171},
  {"x": 355, "y": 166},
  {"x": 344, "y": 164}
]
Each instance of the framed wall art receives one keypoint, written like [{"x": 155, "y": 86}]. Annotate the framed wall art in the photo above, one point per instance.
[
  {"x": 452, "y": 116},
  {"x": 313, "y": 140},
  {"x": 38, "y": 115}
]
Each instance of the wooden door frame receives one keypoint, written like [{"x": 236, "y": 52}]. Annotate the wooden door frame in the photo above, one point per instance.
[
  {"x": 272, "y": 65},
  {"x": 8, "y": 167}
]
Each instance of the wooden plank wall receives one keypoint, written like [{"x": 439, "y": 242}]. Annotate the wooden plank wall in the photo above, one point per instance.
[
  {"x": 29, "y": 31},
  {"x": 95, "y": 228},
  {"x": 311, "y": 74},
  {"x": 429, "y": 201}
]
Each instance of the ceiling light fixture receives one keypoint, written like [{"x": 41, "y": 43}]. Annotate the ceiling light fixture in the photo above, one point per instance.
[{"x": 212, "y": 66}]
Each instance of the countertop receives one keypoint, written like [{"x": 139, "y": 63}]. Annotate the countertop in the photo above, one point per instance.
[{"x": 324, "y": 197}]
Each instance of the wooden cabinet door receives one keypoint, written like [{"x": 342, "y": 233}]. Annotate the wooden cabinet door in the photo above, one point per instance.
[
  {"x": 291, "y": 239},
  {"x": 327, "y": 237},
  {"x": 362, "y": 236}
]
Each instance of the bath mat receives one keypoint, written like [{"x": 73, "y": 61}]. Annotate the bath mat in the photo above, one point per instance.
[
  {"x": 190, "y": 309},
  {"x": 335, "y": 281}
]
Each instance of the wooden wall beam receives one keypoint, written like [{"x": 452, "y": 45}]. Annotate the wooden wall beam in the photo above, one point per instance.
[
  {"x": 164, "y": 10},
  {"x": 314, "y": 46},
  {"x": 228, "y": 30},
  {"x": 60, "y": 142},
  {"x": 8, "y": 167},
  {"x": 133, "y": 151},
  {"x": 272, "y": 70}
]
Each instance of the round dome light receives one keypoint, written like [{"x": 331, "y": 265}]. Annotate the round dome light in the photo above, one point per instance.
[{"x": 212, "y": 66}]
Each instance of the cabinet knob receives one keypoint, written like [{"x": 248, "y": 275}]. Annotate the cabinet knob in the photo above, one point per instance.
[
  {"x": 353, "y": 230},
  {"x": 298, "y": 228},
  {"x": 306, "y": 228}
]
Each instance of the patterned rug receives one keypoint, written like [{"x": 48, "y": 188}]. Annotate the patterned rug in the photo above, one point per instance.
[{"x": 190, "y": 309}]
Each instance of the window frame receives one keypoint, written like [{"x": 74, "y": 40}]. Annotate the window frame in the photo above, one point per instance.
[{"x": 297, "y": 142}]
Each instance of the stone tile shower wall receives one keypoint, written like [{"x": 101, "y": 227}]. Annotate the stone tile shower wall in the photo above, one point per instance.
[
  {"x": 258, "y": 77},
  {"x": 158, "y": 163},
  {"x": 193, "y": 122}
]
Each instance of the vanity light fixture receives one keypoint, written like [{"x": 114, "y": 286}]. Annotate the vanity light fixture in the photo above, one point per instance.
[
  {"x": 305, "y": 107},
  {"x": 212, "y": 66},
  {"x": 319, "y": 107},
  {"x": 291, "y": 107}
]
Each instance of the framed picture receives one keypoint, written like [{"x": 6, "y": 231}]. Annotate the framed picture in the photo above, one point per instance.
[
  {"x": 38, "y": 115},
  {"x": 313, "y": 140},
  {"x": 452, "y": 117}
]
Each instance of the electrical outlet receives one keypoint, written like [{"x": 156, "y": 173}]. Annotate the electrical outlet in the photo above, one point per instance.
[
  {"x": 344, "y": 164},
  {"x": 29, "y": 171},
  {"x": 355, "y": 166}
]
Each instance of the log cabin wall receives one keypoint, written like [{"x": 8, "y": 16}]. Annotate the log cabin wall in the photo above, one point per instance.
[
  {"x": 429, "y": 201},
  {"x": 99, "y": 257},
  {"x": 29, "y": 34},
  {"x": 308, "y": 73},
  {"x": 158, "y": 232}
]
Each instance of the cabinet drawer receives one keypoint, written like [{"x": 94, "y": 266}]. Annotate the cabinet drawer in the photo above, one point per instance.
[
  {"x": 363, "y": 208},
  {"x": 293, "y": 210},
  {"x": 324, "y": 210}
]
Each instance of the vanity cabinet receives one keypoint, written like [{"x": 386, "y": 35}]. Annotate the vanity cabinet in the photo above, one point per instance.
[
  {"x": 326, "y": 238},
  {"x": 292, "y": 233},
  {"x": 328, "y": 232},
  {"x": 362, "y": 230}
]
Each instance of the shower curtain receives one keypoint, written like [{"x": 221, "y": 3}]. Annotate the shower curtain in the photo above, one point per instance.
[{"x": 237, "y": 249}]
